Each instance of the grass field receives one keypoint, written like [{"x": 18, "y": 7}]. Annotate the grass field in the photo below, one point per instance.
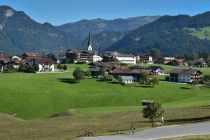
[
  {"x": 100, "y": 106},
  {"x": 35, "y": 96}
]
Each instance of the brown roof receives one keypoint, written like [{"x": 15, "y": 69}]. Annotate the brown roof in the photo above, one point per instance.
[{"x": 31, "y": 54}]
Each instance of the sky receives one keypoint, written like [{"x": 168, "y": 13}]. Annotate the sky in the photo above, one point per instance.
[{"x": 59, "y": 12}]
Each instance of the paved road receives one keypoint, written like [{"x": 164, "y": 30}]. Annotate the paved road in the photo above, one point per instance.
[{"x": 161, "y": 132}]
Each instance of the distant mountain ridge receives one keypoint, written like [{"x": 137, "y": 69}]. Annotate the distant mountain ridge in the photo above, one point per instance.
[
  {"x": 82, "y": 28},
  {"x": 168, "y": 34},
  {"x": 19, "y": 33}
]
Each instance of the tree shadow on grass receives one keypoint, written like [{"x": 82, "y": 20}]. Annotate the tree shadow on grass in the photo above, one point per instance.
[
  {"x": 185, "y": 87},
  {"x": 67, "y": 80},
  {"x": 144, "y": 86},
  {"x": 188, "y": 120}
]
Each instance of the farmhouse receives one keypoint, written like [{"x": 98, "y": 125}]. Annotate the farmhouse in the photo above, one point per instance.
[
  {"x": 31, "y": 55},
  {"x": 145, "y": 59},
  {"x": 126, "y": 58},
  {"x": 44, "y": 64},
  {"x": 156, "y": 70},
  {"x": 185, "y": 75},
  {"x": 95, "y": 67}
]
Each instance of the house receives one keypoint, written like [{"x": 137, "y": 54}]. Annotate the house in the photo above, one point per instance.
[
  {"x": 16, "y": 58},
  {"x": 4, "y": 60},
  {"x": 97, "y": 58},
  {"x": 44, "y": 64},
  {"x": 126, "y": 79},
  {"x": 126, "y": 58},
  {"x": 177, "y": 62},
  {"x": 145, "y": 59},
  {"x": 95, "y": 67},
  {"x": 185, "y": 75},
  {"x": 124, "y": 71},
  {"x": 156, "y": 70},
  {"x": 200, "y": 63},
  {"x": 86, "y": 56},
  {"x": 165, "y": 60},
  {"x": 31, "y": 55}
]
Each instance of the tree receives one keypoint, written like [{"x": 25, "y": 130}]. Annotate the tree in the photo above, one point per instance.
[
  {"x": 155, "y": 53},
  {"x": 143, "y": 77},
  {"x": 153, "y": 111},
  {"x": 78, "y": 74},
  {"x": 60, "y": 66},
  {"x": 154, "y": 81},
  {"x": 102, "y": 71},
  {"x": 65, "y": 67},
  {"x": 88, "y": 73}
]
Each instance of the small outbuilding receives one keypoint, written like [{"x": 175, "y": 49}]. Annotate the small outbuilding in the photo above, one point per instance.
[{"x": 126, "y": 79}]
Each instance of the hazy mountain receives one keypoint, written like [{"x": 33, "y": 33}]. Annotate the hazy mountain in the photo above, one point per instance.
[
  {"x": 169, "y": 34},
  {"x": 19, "y": 33},
  {"x": 82, "y": 28}
]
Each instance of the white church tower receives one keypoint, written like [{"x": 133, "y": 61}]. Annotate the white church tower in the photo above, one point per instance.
[{"x": 89, "y": 45}]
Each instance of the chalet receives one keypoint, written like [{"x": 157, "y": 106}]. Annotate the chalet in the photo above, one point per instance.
[
  {"x": 126, "y": 58},
  {"x": 126, "y": 72},
  {"x": 126, "y": 79},
  {"x": 145, "y": 59},
  {"x": 4, "y": 60},
  {"x": 185, "y": 75},
  {"x": 95, "y": 67},
  {"x": 156, "y": 70},
  {"x": 86, "y": 56},
  {"x": 165, "y": 60},
  {"x": 200, "y": 63},
  {"x": 31, "y": 55},
  {"x": 44, "y": 64},
  {"x": 177, "y": 62}
]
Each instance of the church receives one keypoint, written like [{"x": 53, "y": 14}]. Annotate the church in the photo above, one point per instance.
[{"x": 89, "y": 55}]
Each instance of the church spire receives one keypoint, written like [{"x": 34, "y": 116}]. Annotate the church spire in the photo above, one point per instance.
[{"x": 89, "y": 45}]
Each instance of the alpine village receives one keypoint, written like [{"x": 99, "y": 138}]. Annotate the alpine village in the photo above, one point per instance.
[{"x": 85, "y": 79}]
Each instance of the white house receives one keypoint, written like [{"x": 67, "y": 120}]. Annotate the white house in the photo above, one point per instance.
[
  {"x": 44, "y": 64},
  {"x": 185, "y": 75},
  {"x": 46, "y": 68},
  {"x": 126, "y": 58},
  {"x": 16, "y": 58},
  {"x": 126, "y": 79},
  {"x": 97, "y": 58}
]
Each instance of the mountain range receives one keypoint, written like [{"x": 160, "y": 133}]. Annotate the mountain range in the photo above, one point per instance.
[
  {"x": 19, "y": 33},
  {"x": 172, "y": 35},
  {"x": 81, "y": 29}
]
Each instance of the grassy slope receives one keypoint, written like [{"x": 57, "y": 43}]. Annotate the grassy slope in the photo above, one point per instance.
[
  {"x": 69, "y": 127},
  {"x": 203, "y": 33},
  {"x": 34, "y": 96}
]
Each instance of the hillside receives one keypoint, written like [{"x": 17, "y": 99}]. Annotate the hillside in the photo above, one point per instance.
[
  {"x": 103, "y": 40},
  {"x": 19, "y": 33},
  {"x": 168, "y": 34},
  {"x": 82, "y": 28},
  {"x": 201, "y": 33}
]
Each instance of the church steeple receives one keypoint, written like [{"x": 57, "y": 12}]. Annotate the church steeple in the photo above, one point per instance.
[{"x": 89, "y": 45}]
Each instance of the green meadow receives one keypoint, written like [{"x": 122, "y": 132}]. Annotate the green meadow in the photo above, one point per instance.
[
  {"x": 36, "y": 96},
  {"x": 51, "y": 107}
]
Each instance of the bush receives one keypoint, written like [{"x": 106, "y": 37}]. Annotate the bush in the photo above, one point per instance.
[
  {"x": 60, "y": 66},
  {"x": 78, "y": 74},
  {"x": 88, "y": 73},
  {"x": 64, "y": 67}
]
